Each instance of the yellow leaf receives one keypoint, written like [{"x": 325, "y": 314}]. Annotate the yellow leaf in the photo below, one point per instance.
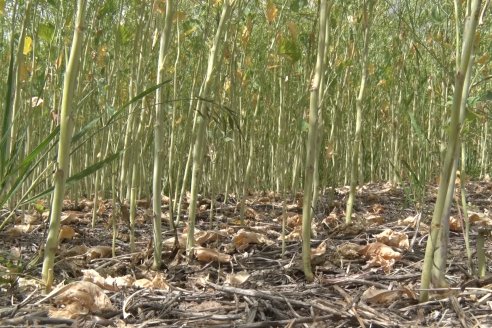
[
  {"x": 271, "y": 11},
  {"x": 27, "y": 45},
  {"x": 2, "y": 6}
]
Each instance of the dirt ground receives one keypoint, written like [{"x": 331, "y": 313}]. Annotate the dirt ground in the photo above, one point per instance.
[{"x": 367, "y": 274}]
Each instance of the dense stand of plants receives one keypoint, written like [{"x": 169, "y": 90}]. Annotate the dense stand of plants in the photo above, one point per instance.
[{"x": 216, "y": 97}]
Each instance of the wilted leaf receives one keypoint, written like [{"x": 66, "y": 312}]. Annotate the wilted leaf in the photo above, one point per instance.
[
  {"x": 59, "y": 61},
  {"x": 80, "y": 298},
  {"x": 203, "y": 254},
  {"x": 294, "y": 33},
  {"x": 271, "y": 11},
  {"x": 394, "y": 238}
]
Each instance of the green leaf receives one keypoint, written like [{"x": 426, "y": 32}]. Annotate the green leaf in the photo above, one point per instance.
[
  {"x": 290, "y": 48},
  {"x": 416, "y": 127},
  {"x": 303, "y": 125},
  {"x": 76, "y": 177},
  {"x": 135, "y": 99},
  {"x": 46, "y": 31},
  {"x": 472, "y": 116},
  {"x": 26, "y": 167},
  {"x": 487, "y": 95},
  {"x": 295, "y": 5}
]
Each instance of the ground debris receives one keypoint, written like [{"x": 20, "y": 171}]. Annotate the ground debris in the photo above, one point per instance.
[{"x": 245, "y": 280}]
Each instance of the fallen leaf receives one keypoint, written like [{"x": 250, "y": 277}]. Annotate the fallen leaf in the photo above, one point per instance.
[
  {"x": 393, "y": 238},
  {"x": 455, "y": 224},
  {"x": 203, "y": 254},
  {"x": 108, "y": 283},
  {"x": 20, "y": 229},
  {"x": 143, "y": 283},
  {"x": 294, "y": 220},
  {"x": 237, "y": 279},
  {"x": 80, "y": 298},
  {"x": 66, "y": 233},
  {"x": 381, "y": 255},
  {"x": 97, "y": 252},
  {"x": 159, "y": 282},
  {"x": 374, "y": 220},
  {"x": 349, "y": 251},
  {"x": 380, "y": 296},
  {"x": 244, "y": 238}
]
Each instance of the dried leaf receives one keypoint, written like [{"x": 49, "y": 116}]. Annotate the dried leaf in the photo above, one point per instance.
[
  {"x": 295, "y": 235},
  {"x": 82, "y": 297},
  {"x": 318, "y": 254},
  {"x": 271, "y": 11},
  {"x": 159, "y": 282},
  {"x": 455, "y": 224},
  {"x": 108, "y": 283},
  {"x": 349, "y": 250},
  {"x": 381, "y": 255},
  {"x": 203, "y": 254},
  {"x": 97, "y": 252},
  {"x": 66, "y": 233},
  {"x": 243, "y": 239},
  {"x": 394, "y": 238},
  {"x": 294, "y": 220},
  {"x": 374, "y": 220},
  {"x": 237, "y": 279},
  {"x": 380, "y": 296},
  {"x": 204, "y": 237},
  {"x": 20, "y": 229},
  {"x": 143, "y": 283}
]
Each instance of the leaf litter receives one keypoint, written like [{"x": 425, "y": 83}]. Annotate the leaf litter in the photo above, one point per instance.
[{"x": 366, "y": 274}]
